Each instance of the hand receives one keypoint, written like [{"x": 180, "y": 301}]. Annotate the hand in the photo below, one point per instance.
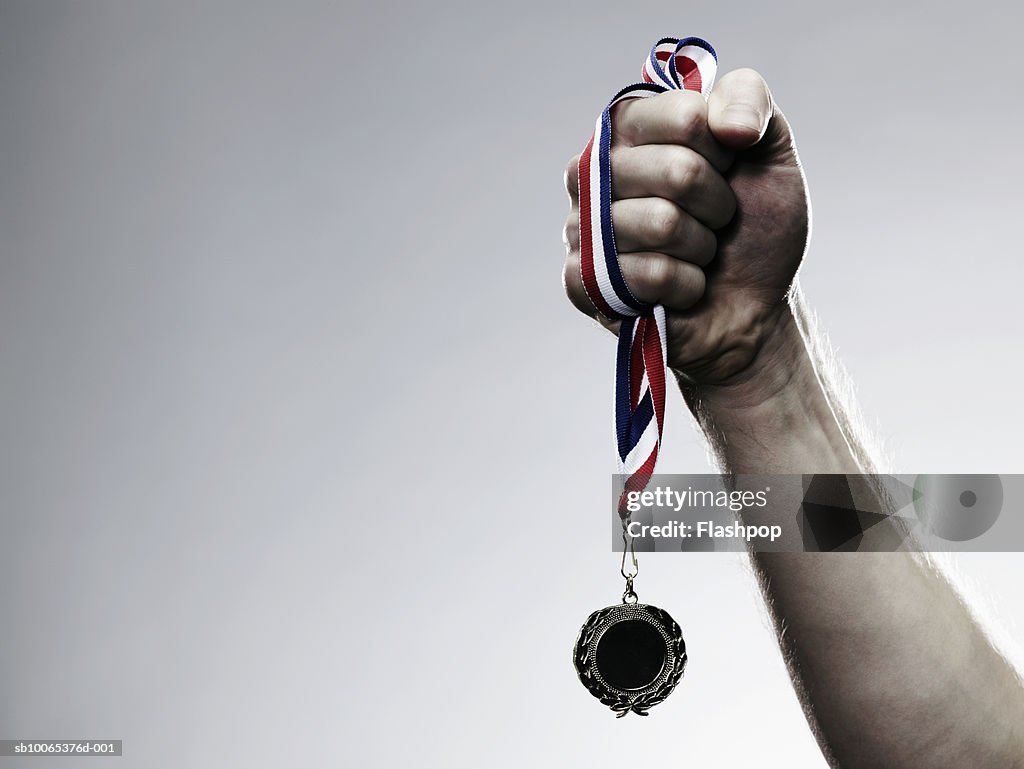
[{"x": 711, "y": 217}]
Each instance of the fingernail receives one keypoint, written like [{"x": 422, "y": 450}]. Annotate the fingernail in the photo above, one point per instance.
[{"x": 743, "y": 116}]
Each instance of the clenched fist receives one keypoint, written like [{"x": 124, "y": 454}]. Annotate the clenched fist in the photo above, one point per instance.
[{"x": 711, "y": 219}]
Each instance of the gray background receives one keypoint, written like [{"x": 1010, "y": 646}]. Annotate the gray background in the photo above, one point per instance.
[{"x": 285, "y": 365}]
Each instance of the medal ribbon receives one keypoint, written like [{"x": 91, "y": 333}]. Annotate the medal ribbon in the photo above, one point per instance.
[{"x": 688, "y": 64}]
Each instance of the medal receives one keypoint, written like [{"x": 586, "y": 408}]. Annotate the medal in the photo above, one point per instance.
[{"x": 631, "y": 655}]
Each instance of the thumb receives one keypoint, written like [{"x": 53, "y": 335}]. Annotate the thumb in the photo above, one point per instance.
[{"x": 742, "y": 113}]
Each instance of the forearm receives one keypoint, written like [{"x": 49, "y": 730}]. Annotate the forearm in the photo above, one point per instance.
[{"x": 890, "y": 666}]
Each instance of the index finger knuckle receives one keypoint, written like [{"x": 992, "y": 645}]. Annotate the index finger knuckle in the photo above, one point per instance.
[{"x": 687, "y": 115}]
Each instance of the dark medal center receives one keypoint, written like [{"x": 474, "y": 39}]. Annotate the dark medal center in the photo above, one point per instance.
[{"x": 631, "y": 654}]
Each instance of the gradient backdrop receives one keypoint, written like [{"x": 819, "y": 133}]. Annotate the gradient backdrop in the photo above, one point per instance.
[{"x": 286, "y": 368}]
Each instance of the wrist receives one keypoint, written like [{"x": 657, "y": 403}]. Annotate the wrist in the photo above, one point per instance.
[
  {"x": 774, "y": 414},
  {"x": 777, "y": 361}
]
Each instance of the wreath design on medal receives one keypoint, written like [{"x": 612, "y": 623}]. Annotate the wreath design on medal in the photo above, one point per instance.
[{"x": 624, "y": 700}]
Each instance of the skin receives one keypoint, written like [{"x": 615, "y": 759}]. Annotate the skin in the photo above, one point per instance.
[{"x": 711, "y": 213}]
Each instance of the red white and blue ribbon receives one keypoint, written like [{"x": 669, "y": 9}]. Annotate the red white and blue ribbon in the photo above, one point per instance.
[{"x": 687, "y": 64}]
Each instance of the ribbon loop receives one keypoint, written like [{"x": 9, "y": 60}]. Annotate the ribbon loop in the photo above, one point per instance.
[{"x": 673, "y": 64}]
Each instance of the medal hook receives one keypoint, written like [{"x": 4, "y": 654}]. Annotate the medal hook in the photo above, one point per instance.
[
  {"x": 630, "y": 595},
  {"x": 628, "y": 546}
]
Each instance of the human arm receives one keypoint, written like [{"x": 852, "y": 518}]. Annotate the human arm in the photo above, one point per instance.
[
  {"x": 890, "y": 665},
  {"x": 891, "y": 668}
]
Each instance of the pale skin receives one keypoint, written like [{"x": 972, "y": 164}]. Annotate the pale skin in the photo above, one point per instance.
[{"x": 711, "y": 215}]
